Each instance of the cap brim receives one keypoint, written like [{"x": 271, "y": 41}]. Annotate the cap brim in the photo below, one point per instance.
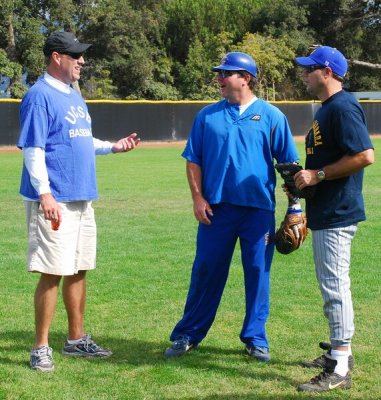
[
  {"x": 226, "y": 68},
  {"x": 305, "y": 61},
  {"x": 80, "y": 48}
]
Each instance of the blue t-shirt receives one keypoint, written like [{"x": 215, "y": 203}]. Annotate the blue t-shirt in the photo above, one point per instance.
[
  {"x": 60, "y": 124},
  {"x": 339, "y": 129},
  {"x": 236, "y": 152}
]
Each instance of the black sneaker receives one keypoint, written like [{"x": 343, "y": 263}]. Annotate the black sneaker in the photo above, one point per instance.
[
  {"x": 180, "y": 346},
  {"x": 325, "y": 381},
  {"x": 323, "y": 361},
  {"x": 260, "y": 353},
  {"x": 86, "y": 347}
]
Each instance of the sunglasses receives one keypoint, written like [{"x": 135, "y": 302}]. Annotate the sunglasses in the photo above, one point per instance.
[
  {"x": 313, "y": 68},
  {"x": 75, "y": 56},
  {"x": 223, "y": 73}
]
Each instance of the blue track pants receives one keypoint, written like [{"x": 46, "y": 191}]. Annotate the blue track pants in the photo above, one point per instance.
[{"x": 215, "y": 246}]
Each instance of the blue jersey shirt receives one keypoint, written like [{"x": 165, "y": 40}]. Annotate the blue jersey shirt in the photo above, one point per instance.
[
  {"x": 236, "y": 152},
  {"x": 60, "y": 124},
  {"x": 339, "y": 129}
]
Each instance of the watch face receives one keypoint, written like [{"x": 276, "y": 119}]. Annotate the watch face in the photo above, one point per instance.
[{"x": 321, "y": 174}]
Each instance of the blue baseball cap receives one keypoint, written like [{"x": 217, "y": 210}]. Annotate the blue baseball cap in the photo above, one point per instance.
[{"x": 326, "y": 57}]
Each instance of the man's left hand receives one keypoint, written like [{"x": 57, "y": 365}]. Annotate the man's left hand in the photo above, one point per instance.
[{"x": 126, "y": 144}]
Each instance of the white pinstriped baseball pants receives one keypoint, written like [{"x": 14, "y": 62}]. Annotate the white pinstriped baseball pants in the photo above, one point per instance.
[{"x": 332, "y": 254}]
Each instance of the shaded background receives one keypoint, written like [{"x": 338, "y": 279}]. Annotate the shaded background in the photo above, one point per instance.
[{"x": 165, "y": 120}]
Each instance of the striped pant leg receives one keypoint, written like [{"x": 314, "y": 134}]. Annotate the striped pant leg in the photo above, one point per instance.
[{"x": 332, "y": 253}]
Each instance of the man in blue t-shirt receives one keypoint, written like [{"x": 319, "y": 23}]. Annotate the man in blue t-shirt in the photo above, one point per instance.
[
  {"x": 338, "y": 148},
  {"x": 58, "y": 185},
  {"x": 230, "y": 167}
]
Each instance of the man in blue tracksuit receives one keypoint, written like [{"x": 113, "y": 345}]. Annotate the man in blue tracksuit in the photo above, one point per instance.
[{"x": 230, "y": 168}]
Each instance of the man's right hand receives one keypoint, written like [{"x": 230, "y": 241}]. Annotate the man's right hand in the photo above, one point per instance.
[
  {"x": 202, "y": 210},
  {"x": 51, "y": 208}
]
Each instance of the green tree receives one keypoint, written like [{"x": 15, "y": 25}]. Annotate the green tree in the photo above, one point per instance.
[
  {"x": 22, "y": 27},
  {"x": 99, "y": 85},
  {"x": 285, "y": 19},
  {"x": 13, "y": 71},
  {"x": 164, "y": 49},
  {"x": 129, "y": 45},
  {"x": 191, "y": 19},
  {"x": 354, "y": 27},
  {"x": 196, "y": 80},
  {"x": 29, "y": 44},
  {"x": 9, "y": 65},
  {"x": 273, "y": 58},
  {"x": 198, "y": 33}
]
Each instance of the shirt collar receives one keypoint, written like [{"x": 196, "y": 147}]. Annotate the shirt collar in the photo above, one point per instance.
[{"x": 57, "y": 84}]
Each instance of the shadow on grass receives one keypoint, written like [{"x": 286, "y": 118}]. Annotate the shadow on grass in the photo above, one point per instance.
[
  {"x": 135, "y": 352},
  {"x": 262, "y": 396}
]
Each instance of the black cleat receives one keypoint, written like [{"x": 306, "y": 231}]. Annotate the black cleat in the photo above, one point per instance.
[
  {"x": 323, "y": 361},
  {"x": 180, "y": 346},
  {"x": 327, "y": 381}
]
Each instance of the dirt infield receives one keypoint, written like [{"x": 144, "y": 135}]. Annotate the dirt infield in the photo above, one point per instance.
[
  {"x": 8, "y": 149},
  {"x": 177, "y": 143}
]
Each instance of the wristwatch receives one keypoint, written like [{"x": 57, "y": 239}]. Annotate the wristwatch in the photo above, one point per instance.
[{"x": 321, "y": 174}]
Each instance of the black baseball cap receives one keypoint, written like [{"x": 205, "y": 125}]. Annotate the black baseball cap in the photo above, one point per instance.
[{"x": 64, "y": 42}]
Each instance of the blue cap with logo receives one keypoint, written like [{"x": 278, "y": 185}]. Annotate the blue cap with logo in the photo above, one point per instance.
[
  {"x": 326, "y": 57},
  {"x": 237, "y": 61}
]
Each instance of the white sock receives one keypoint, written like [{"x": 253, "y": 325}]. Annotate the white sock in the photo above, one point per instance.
[
  {"x": 341, "y": 358},
  {"x": 75, "y": 341}
]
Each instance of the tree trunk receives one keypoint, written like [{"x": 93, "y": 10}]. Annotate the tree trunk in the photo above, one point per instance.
[
  {"x": 11, "y": 45},
  {"x": 365, "y": 64},
  {"x": 75, "y": 86}
]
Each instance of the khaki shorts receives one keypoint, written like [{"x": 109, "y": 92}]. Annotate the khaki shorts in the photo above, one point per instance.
[{"x": 64, "y": 252}]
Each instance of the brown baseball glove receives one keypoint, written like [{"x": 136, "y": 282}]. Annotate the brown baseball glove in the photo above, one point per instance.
[{"x": 291, "y": 233}]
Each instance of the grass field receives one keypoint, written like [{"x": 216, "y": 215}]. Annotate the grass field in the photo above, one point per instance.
[{"x": 146, "y": 239}]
